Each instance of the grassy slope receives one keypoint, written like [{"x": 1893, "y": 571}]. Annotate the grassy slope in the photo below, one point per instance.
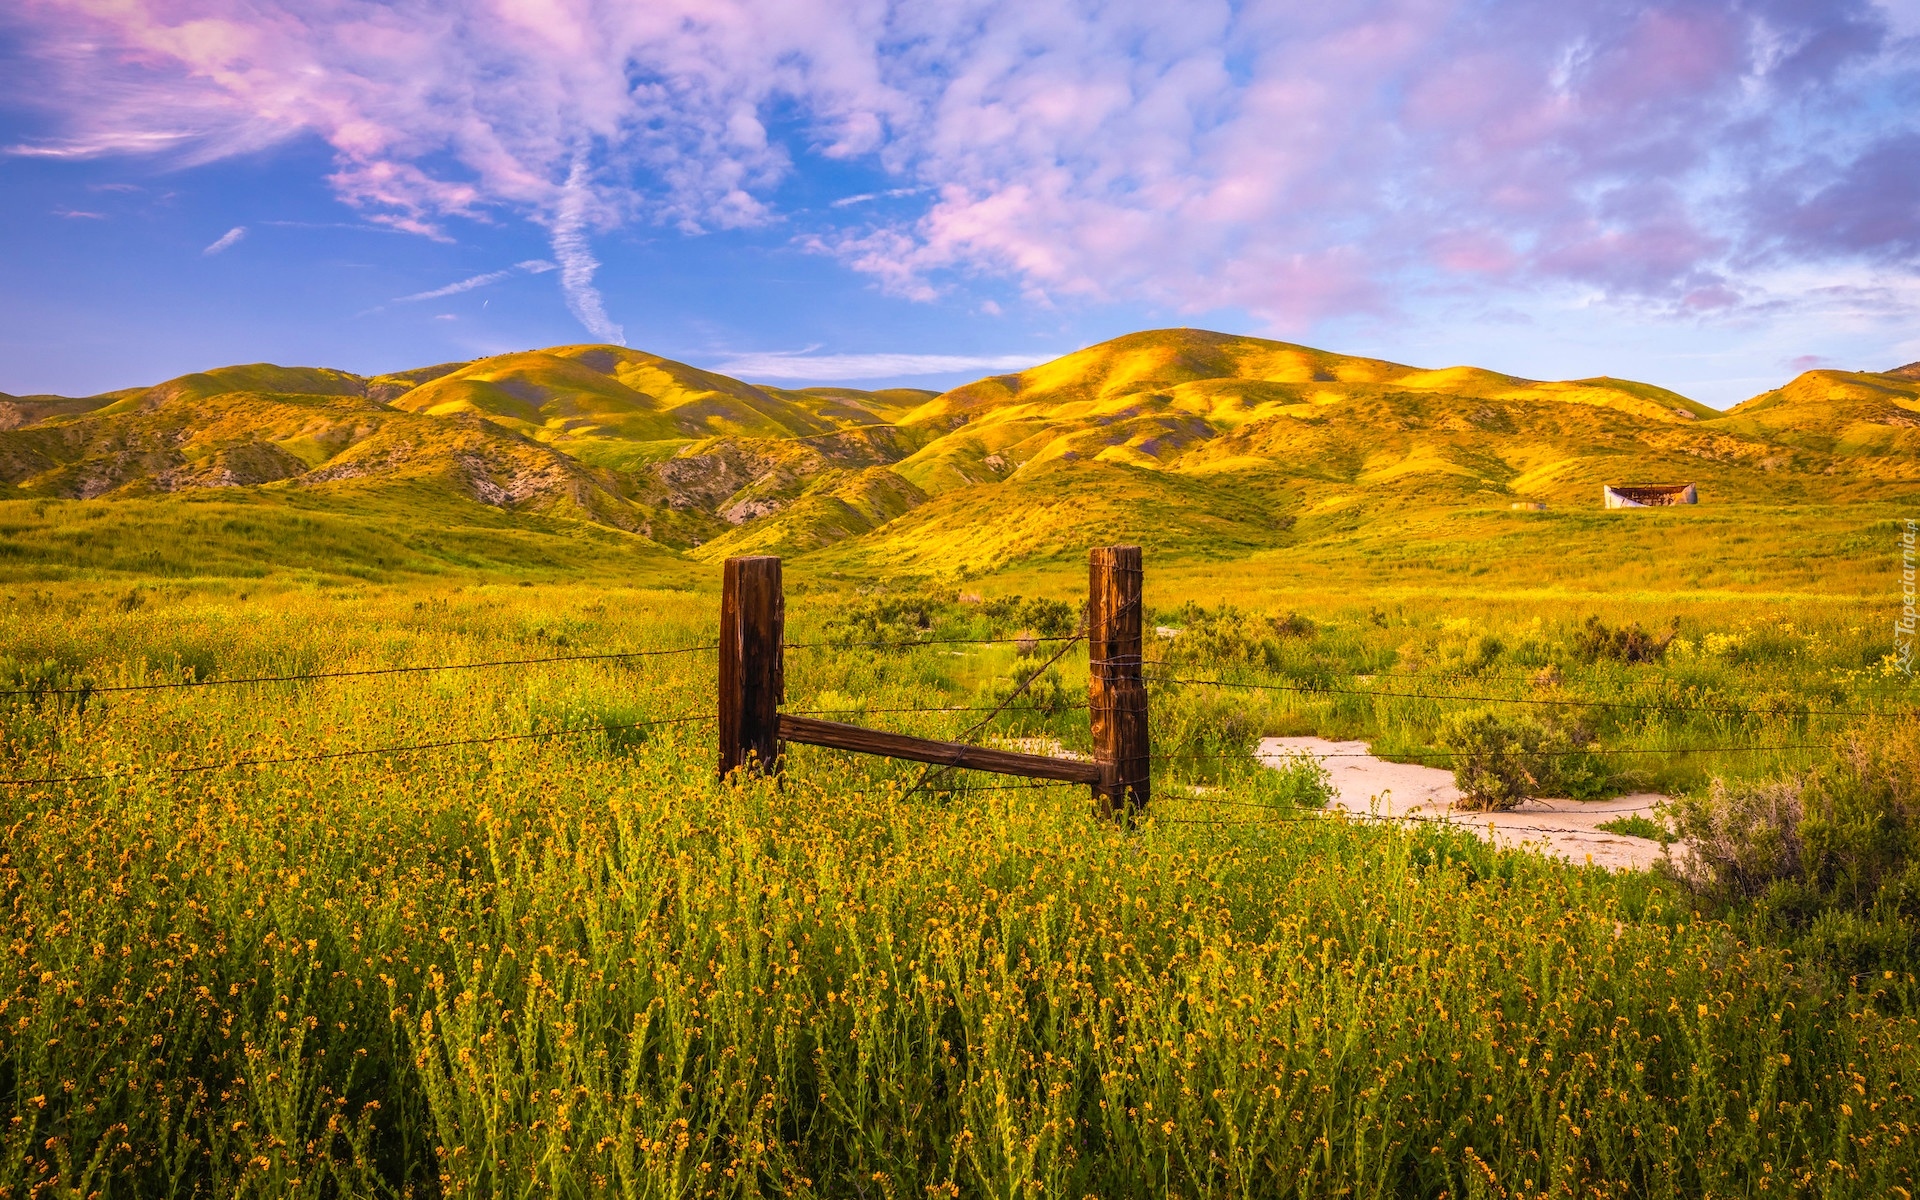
[{"x": 337, "y": 536}]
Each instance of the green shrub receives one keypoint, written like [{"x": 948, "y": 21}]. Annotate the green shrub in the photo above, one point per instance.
[
  {"x": 1047, "y": 618},
  {"x": 903, "y": 618},
  {"x": 1636, "y": 825},
  {"x": 1501, "y": 760},
  {"x": 1224, "y": 636},
  {"x": 1300, "y": 780},
  {"x": 1044, "y": 694},
  {"x": 1495, "y": 763}
]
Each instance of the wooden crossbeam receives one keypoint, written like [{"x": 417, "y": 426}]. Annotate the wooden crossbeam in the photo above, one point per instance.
[{"x": 837, "y": 736}]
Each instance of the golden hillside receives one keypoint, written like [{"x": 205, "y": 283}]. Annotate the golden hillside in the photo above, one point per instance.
[{"x": 1175, "y": 435}]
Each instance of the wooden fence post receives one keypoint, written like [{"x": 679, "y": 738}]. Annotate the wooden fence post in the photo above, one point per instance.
[
  {"x": 1116, "y": 694},
  {"x": 752, "y": 664}
]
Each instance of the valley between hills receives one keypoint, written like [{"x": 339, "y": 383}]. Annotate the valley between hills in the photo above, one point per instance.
[{"x": 1182, "y": 439}]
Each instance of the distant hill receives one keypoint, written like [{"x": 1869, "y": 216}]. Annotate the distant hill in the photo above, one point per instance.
[{"x": 1180, "y": 434}]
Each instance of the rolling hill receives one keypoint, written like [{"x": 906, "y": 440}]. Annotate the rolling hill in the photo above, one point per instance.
[{"x": 1179, "y": 436}]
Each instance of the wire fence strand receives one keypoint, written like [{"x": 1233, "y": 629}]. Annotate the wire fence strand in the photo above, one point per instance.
[
  {"x": 1260, "y": 756},
  {"x": 909, "y": 645},
  {"x": 1314, "y": 689},
  {"x": 313, "y": 675},
  {"x": 1301, "y": 816},
  {"x": 201, "y": 768}
]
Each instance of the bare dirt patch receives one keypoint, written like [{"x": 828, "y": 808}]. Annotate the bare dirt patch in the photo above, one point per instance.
[{"x": 1567, "y": 829}]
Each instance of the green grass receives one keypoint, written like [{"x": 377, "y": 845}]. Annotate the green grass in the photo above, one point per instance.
[
  {"x": 1635, "y": 825},
  {"x": 557, "y": 957},
  {"x": 576, "y": 965},
  {"x": 385, "y": 534}
]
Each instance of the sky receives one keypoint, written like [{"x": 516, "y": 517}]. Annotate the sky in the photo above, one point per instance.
[{"x": 1709, "y": 195}]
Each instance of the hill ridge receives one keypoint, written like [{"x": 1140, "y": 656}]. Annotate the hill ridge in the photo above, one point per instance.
[{"x": 1258, "y": 431}]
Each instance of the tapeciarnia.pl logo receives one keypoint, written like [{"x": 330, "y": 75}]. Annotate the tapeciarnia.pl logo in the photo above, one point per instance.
[{"x": 1903, "y": 628}]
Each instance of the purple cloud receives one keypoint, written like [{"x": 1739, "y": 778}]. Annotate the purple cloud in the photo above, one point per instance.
[{"x": 1296, "y": 161}]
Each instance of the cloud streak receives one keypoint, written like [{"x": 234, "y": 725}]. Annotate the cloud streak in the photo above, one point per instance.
[
  {"x": 533, "y": 266},
  {"x": 1296, "y": 162},
  {"x": 822, "y": 368},
  {"x": 227, "y": 240},
  {"x": 577, "y": 263}
]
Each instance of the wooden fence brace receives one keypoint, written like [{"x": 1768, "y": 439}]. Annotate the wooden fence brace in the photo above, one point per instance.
[
  {"x": 1116, "y": 693},
  {"x": 753, "y": 686},
  {"x": 752, "y": 664},
  {"x": 957, "y": 755}
]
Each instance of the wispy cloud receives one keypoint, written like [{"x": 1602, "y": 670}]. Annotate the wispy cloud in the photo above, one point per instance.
[
  {"x": 828, "y": 368},
  {"x": 1296, "y": 162},
  {"x": 226, "y": 240},
  {"x": 454, "y": 289},
  {"x": 79, "y": 214},
  {"x": 1807, "y": 362},
  {"x": 889, "y": 194},
  {"x": 532, "y": 266},
  {"x": 357, "y": 226},
  {"x": 577, "y": 263},
  {"x": 102, "y": 142}
]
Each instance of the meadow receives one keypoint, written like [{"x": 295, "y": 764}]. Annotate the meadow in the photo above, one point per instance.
[{"x": 551, "y": 955}]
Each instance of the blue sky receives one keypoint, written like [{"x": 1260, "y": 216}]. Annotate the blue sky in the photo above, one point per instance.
[{"x": 1706, "y": 194}]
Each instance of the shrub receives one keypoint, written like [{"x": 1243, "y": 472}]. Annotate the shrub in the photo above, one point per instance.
[
  {"x": 1043, "y": 617},
  {"x": 1500, "y": 760},
  {"x": 887, "y": 618},
  {"x": 1635, "y": 825},
  {"x": 1495, "y": 762},
  {"x": 1845, "y": 836},
  {"x": 1046, "y": 694},
  {"x": 1226, "y": 636},
  {"x": 1300, "y": 780},
  {"x": 1629, "y": 643},
  {"x": 38, "y": 681},
  {"x": 1292, "y": 625},
  {"x": 1743, "y": 838}
]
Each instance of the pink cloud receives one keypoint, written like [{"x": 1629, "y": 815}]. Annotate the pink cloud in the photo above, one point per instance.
[
  {"x": 1296, "y": 161},
  {"x": 1806, "y": 362}
]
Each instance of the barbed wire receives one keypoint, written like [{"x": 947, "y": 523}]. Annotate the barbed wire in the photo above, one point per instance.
[
  {"x": 469, "y": 666},
  {"x": 908, "y": 645},
  {"x": 1336, "y": 815},
  {"x": 824, "y": 712},
  {"x": 931, "y": 770},
  {"x": 1004, "y": 787},
  {"x": 201, "y": 768},
  {"x": 1311, "y": 689},
  {"x": 1288, "y": 752}
]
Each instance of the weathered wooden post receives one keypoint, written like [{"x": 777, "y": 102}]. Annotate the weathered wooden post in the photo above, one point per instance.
[
  {"x": 1116, "y": 694},
  {"x": 752, "y": 664}
]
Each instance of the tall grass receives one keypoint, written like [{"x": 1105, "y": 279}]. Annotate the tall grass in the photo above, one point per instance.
[{"x": 576, "y": 965}]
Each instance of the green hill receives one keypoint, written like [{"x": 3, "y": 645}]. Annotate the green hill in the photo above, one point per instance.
[{"x": 1181, "y": 436}]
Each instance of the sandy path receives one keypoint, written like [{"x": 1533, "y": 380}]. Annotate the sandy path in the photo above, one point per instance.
[{"x": 1566, "y": 828}]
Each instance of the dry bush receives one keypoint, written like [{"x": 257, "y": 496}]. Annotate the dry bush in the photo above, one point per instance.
[
  {"x": 1628, "y": 644},
  {"x": 1743, "y": 837},
  {"x": 1845, "y": 836}
]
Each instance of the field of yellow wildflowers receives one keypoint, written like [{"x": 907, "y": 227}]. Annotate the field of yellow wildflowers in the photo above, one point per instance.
[{"x": 566, "y": 962}]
